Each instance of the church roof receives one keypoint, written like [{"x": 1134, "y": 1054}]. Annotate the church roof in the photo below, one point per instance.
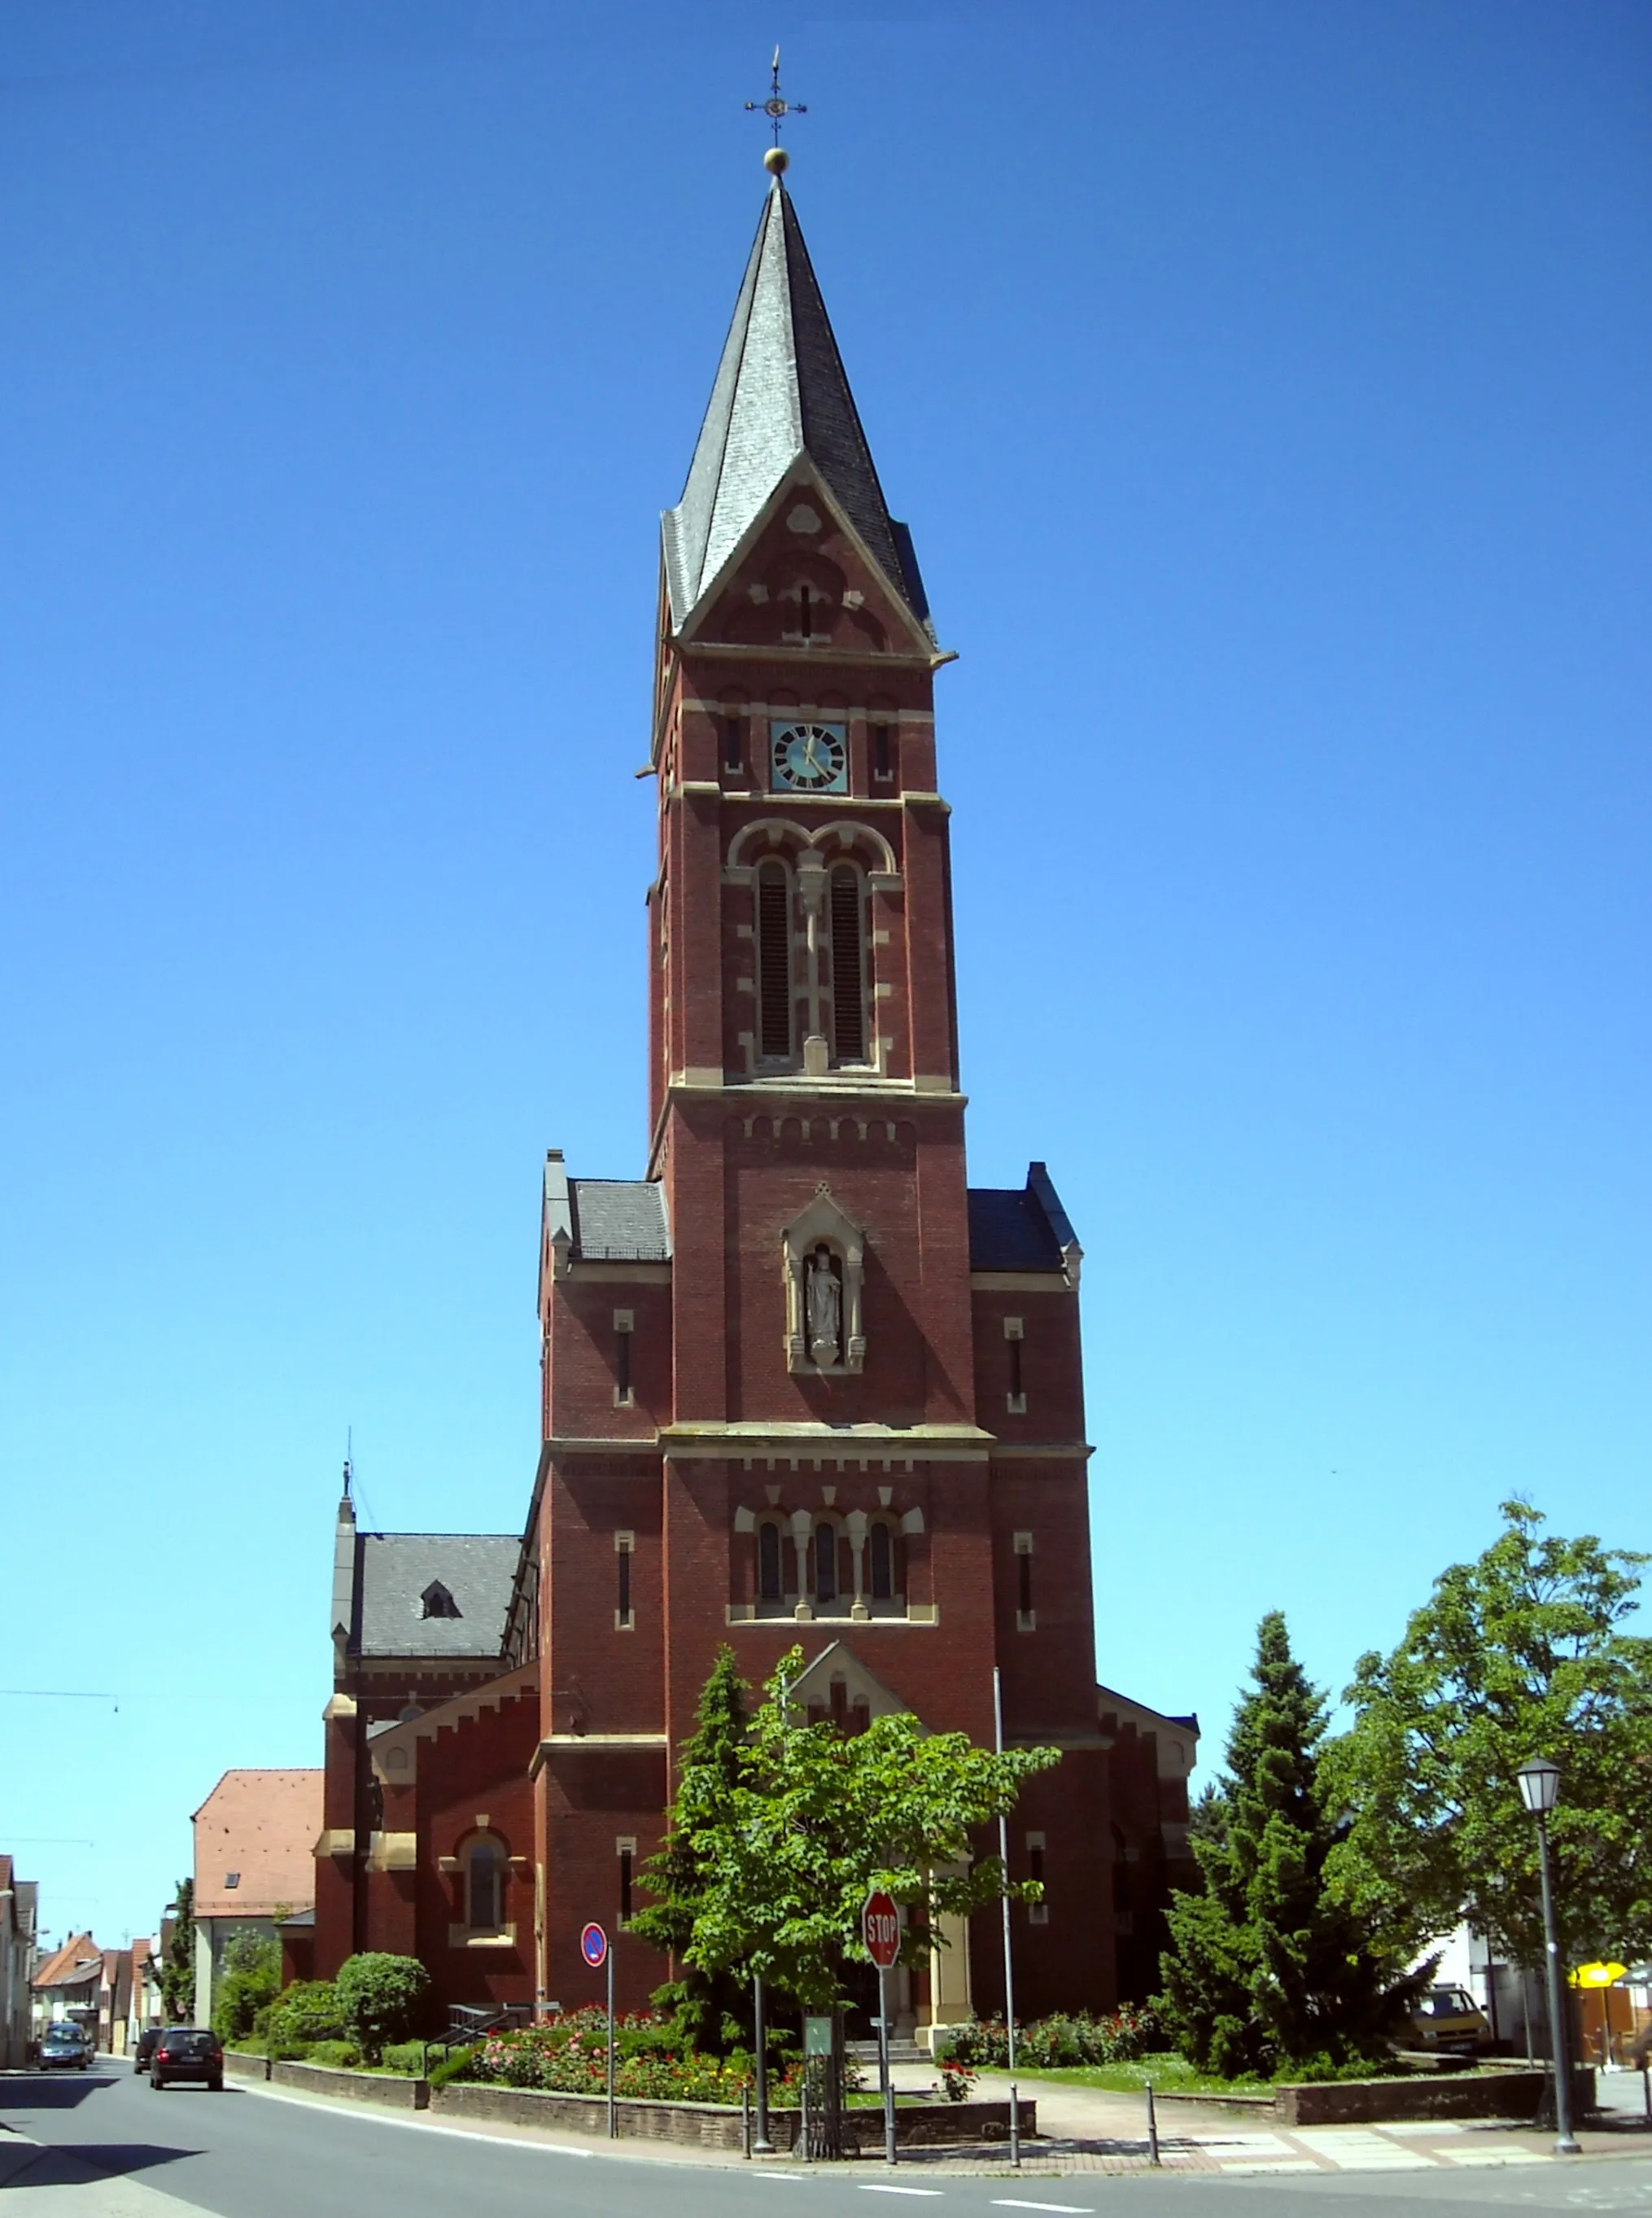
[
  {"x": 1020, "y": 1228},
  {"x": 619, "y": 1220},
  {"x": 780, "y": 392},
  {"x": 396, "y": 1570}
]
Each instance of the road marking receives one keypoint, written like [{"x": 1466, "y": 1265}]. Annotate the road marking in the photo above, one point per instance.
[
  {"x": 868, "y": 2187},
  {"x": 1013, "y": 2203}
]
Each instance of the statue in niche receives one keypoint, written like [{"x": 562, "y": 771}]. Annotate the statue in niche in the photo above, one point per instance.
[{"x": 825, "y": 1307}]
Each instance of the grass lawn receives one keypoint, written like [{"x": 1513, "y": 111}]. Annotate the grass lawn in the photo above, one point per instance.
[{"x": 1171, "y": 2075}]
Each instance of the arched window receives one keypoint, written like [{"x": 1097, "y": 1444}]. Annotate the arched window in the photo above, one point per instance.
[
  {"x": 826, "y": 1563},
  {"x": 772, "y": 1573},
  {"x": 847, "y": 967},
  {"x": 484, "y": 1888},
  {"x": 881, "y": 1542},
  {"x": 774, "y": 962}
]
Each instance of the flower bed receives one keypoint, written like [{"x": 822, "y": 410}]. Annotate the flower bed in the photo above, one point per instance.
[
  {"x": 652, "y": 2063},
  {"x": 1050, "y": 2044}
]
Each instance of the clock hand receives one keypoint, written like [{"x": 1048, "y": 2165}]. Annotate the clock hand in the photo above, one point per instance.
[{"x": 809, "y": 755}]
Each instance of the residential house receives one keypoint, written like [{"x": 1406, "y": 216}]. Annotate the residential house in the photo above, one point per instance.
[
  {"x": 72, "y": 1984},
  {"x": 19, "y": 1915},
  {"x": 254, "y": 1864}
]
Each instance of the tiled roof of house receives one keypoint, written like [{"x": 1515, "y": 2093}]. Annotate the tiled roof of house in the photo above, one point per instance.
[
  {"x": 78, "y": 1960},
  {"x": 396, "y": 1573},
  {"x": 260, "y": 1826}
]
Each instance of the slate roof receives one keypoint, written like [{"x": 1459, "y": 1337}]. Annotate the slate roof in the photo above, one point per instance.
[
  {"x": 780, "y": 392},
  {"x": 261, "y": 1826},
  {"x": 393, "y": 1571},
  {"x": 619, "y": 1220},
  {"x": 1020, "y": 1228}
]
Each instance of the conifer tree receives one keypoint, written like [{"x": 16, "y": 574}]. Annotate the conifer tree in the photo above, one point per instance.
[
  {"x": 702, "y": 2002},
  {"x": 178, "y": 1965},
  {"x": 1267, "y": 1970}
]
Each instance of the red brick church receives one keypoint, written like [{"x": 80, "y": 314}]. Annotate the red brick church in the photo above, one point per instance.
[{"x": 802, "y": 1382}]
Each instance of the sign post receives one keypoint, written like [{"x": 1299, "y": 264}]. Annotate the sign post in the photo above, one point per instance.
[
  {"x": 880, "y": 1923},
  {"x": 593, "y": 1947}
]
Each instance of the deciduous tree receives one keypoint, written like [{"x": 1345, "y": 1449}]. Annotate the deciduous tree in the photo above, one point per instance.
[{"x": 1521, "y": 1653}]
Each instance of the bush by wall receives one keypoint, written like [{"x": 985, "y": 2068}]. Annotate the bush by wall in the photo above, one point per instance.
[
  {"x": 651, "y": 2061},
  {"x": 381, "y": 1999},
  {"x": 1050, "y": 2043}
]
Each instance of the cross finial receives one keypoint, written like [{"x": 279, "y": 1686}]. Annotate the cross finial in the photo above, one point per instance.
[{"x": 776, "y": 107}]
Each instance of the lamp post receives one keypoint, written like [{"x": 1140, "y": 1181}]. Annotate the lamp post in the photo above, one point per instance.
[{"x": 1540, "y": 1791}]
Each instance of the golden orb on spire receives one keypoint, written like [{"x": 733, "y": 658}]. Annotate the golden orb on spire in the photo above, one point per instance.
[{"x": 777, "y": 160}]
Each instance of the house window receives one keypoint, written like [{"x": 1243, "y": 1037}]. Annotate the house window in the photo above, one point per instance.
[
  {"x": 881, "y": 1542},
  {"x": 826, "y": 1563},
  {"x": 484, "y": 1888},
  {"x": 1026, "y": 1618},
  {"x": 438, "y": 1602},
  {"x": 848, "y": 982},
  {"x": 624, "y": 1549},
  {"x": 231, "y": 1878},
  {"x": 774, "y": 962},
  {"x": 772, "y": 1573}
]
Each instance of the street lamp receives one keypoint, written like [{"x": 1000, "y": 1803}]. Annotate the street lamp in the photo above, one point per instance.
[{"x": 1540, "y": 1791}]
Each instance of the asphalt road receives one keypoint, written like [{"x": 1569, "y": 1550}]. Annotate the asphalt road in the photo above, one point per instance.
[{"x": 247, "y": 2154}]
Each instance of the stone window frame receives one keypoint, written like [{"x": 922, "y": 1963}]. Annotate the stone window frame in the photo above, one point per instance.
[
  {"x": 824, "y": 1224},
  {"x": 464, "y": 1932},
  {"x": 796, "y": 1531}
]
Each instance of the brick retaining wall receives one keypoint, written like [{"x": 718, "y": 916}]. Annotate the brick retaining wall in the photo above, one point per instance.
[
  {"x": 1464, "y": 2095},
  {"x": 710, "y": 2125},
  {"x": 357, "y": 2087}
]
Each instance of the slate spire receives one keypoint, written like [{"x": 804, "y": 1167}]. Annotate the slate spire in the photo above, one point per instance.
[{"x": 781, "y": 391}]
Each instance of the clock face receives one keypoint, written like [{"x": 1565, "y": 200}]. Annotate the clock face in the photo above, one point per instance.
[{"x": 808, "y": 758}]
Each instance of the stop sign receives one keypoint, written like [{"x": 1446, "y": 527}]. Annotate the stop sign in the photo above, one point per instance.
[{"x": 879, "y": 1923}]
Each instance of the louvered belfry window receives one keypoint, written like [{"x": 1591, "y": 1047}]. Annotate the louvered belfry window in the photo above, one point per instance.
[
  {"x": 774, "y": 962},
  {"x": 848, "y": 982}
]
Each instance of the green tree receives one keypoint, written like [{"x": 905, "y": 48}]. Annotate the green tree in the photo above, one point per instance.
[
  {"x": 381, "y": 1999},
  {"x": 178, "y": 1964},
  {"x": 1518, "y": 1654},
  {"x": 709, "y": 2006},
  {"x": 1268, "y": 1969},
  {"x": 786, "y": 1855},
  {"x": 251, "y": 1979}
]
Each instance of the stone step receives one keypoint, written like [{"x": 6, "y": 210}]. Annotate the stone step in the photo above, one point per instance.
[{"x": 900, "y": 2052}]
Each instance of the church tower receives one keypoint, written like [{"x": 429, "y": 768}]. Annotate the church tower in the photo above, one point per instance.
[{"x": 802, "y": 1384}]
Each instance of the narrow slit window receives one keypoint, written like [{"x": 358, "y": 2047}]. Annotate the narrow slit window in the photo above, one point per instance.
[
  {"x": 882, "y": 1564},
  {"x": 770, "y": 1571},
  {"x": 774, "y": 962},
  {"x": 1024, "y": 1620},
  {"x": 627, "y": 1857},
  {"x": 806, "y": 601},
  {"x": 624, "y": 1547},
  {"x": 1017, "y": 1392},
  {"x": 734, "y": 743},
  {"x": 848, "y": 983},
  {"x": 624, "y": 1599},
  {"x": 623, "y": 1359},
  {"x": 882, "y": 764},
  {"x": 1037, "y": 1913},
  {"x": 826, "y": 1563}
]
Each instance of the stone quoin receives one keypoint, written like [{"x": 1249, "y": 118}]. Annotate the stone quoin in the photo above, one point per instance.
[{"x": 802, "y": 1383}]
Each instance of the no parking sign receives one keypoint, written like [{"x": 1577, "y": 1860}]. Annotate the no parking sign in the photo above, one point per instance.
[{"x": 593, "y": 1947}]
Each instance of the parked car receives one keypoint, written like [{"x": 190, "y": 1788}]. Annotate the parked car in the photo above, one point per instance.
[
  {"x": 187, "y": 2052},
  {"x": 142, "y": 2054},
  {"x": 1449, "y": 2019},
  {"x": 65, "y": 2047}
]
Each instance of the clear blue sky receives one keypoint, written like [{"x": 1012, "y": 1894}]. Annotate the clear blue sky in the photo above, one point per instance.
[{"x": 1267, "y": 386}]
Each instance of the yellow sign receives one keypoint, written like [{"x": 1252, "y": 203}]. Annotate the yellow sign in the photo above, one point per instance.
[{"x": 1597, "y": 1975}]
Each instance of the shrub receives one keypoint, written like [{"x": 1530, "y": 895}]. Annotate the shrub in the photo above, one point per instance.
[
  {"x": 251, "y": 1979},
  {"x": 307, "y": 2011},
  {"x": 406, "y": 2057},
  {"x": 455, "y": 2066},
  {"x": 1050, "y": 2042},
  {"x": 570, "y": 2057},
  {"x": 381, "y": 1999},
  {"x": 343, "y": 2054}
]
